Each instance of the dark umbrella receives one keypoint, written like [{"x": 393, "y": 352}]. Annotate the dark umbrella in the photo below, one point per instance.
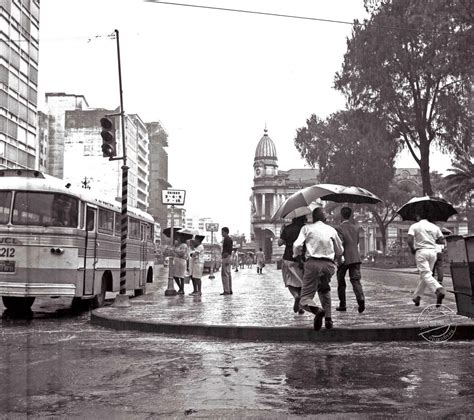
[
  {"x": 356, "y": 195},
  {"x": 167, "y": 231},
  {"x": 199, "y": 238},
  {"x": 432, "y": 208}
]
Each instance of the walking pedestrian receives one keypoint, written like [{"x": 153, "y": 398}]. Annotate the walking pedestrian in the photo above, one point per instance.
[
  {"x": 422, "y": 239},
  {"x": 260, "y": 261},
  {"x": 196, "y": 264},
  {"x": 438, "y": 268},
  {"x": 349, "y": 234},
  {"x": 292, "y": 268},
  {"x": 242, "y": 260},
  {"x": 226, "y": 270},
  {"x": 180, "y": 262},
  {"x": 235, "y": 260},
  {"x": 249, "y": 260},
  {"x": 323, "y": 249}
]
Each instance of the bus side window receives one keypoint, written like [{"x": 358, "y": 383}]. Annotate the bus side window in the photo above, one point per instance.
[
  {"x": 143, "y": 232},
  {"x": 90, "y": 219}
]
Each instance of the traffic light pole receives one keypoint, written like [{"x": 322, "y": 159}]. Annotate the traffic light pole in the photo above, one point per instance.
[
  {"x": 213, "y": 260},
  {"x": 121, "y": 299}
]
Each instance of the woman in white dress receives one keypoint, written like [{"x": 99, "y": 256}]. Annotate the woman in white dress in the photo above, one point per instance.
[
  {"x": 180, "y": 262},
  {"x": 196, "y": 264}
]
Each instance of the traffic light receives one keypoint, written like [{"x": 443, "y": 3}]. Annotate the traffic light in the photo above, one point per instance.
[{"x": 109, "y": 143}]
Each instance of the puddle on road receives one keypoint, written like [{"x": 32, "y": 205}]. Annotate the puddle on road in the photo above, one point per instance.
[{"x": 83, "y": 365}]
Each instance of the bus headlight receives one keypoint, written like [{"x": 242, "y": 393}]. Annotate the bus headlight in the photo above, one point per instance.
[{"x": 57, "y": 251}]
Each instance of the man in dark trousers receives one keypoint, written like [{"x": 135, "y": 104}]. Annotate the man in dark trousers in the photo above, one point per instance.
[
  {"x": 350, "y": 239},
  {"x": 226, "y": 272}
]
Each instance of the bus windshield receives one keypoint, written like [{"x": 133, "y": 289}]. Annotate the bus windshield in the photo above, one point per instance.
[{"x": 44, "y": 209}]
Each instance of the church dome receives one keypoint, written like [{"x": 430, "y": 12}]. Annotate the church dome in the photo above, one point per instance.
[{"x": 266, "y": 150}]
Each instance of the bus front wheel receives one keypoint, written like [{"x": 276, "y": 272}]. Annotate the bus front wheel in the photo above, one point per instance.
[{"x": 18, "y": 304}]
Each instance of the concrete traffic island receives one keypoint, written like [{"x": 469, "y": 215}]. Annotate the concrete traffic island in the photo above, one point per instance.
[{"x": 260, "y": 309}]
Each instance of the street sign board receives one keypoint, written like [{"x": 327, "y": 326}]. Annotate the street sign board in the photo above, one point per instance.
[
  {"x": 173, "y": 197},
  {"x": 212, "y": 227}
]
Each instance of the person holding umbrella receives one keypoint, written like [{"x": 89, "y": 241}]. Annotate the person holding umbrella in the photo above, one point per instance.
[
  {"x": 180, "y": 261},
  {"x": 422, "y": 239},
  {"x": 292, "y": 268},
  {"x": 323, "y": 248}
]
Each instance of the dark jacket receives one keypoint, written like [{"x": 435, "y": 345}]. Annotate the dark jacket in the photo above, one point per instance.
[
  {"x": 227, "y": 247},
  {"x": 349, "y": 234},
  {"x": 289, "y": 235}
]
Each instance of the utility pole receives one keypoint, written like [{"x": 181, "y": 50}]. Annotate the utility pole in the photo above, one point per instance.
[{"x": 121, "y": 299}]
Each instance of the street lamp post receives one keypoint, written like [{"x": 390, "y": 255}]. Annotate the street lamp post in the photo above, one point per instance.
[
  {"x": 212, "y": 227},
  {"x": 172, "y": 198}
]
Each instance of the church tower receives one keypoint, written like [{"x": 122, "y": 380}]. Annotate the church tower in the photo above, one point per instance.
[
  {"x": 271, "y": 187},
  {"x": 264, "y": 198}
]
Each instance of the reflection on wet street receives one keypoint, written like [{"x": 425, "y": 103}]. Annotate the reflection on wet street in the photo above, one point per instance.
[{"x": 68, "y": 368}]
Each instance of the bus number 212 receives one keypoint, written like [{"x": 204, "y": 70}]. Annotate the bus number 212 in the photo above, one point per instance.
[{"x": 7, "y": 252}]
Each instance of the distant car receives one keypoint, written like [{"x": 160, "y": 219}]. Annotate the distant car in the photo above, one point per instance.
[{"x": 208, "y": 261}]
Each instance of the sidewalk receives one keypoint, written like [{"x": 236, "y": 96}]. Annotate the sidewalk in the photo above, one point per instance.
[{"x": 261, "y": 309}]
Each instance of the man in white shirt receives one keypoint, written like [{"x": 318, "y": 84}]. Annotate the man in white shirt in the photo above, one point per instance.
[
  {"x": 422, "y": 239},
  {"x": 323, "y": 248}
]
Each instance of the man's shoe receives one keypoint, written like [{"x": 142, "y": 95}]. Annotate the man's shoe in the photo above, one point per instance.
[
  {"x": 328, "y": 323},
  {"x": 225, "y": 293},
  {"x": 313, "y": 309},
  {"x": 301, "y": 311},
  {"x": 318, "y": 319},
  {"x": 416, "y": 300},
  {"x": 341, "y": 308},
  {"x": 439, "y": 297},
  {"x": 361, "y": 306},
  {"x": 296, "y": 305}
]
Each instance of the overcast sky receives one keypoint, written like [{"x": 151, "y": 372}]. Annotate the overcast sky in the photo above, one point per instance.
[{"x": 213, "y": 78}]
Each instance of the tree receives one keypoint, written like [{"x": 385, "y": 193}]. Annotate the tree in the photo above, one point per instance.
[
  {"x": 350, "y": 147},
  {"x": 353, "y": 147},
  {"x": 459, "y": 184},
  {"x": 410, "y": 63}
]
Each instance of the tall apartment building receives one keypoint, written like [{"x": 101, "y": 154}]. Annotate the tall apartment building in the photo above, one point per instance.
[
  {"x": 158, "y": 172},
  {"x": 199, "y": 223},
  {"x": 75, "y": 154},
  {"x": 19, "y": 51}
]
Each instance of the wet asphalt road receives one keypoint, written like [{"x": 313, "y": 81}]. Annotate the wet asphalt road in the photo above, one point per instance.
[{"x": 57, "y": 365}]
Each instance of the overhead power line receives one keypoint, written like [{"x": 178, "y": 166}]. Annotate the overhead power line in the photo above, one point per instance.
[
  {"x": 281, "y": 15},
  {"x": 253, "y": 12}
]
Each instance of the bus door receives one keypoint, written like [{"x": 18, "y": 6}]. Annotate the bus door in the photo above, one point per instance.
[
  {"x": 144, "y": 237},
  {"x": 90, "y": 252}
]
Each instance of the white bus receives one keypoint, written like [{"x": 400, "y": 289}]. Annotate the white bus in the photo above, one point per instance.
[{"x": 62, "y": 243}]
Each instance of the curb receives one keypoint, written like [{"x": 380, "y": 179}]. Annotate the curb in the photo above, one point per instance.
[{"x": 279, "y": 334}]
